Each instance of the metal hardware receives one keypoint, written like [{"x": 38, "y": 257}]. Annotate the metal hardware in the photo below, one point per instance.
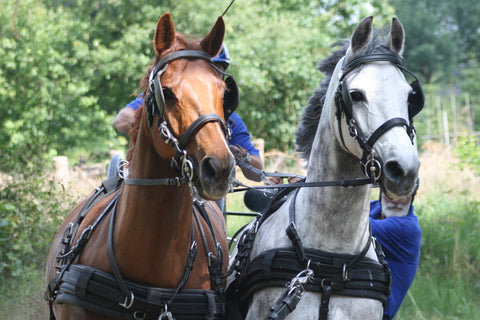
[{"x": 128, "y": 304}]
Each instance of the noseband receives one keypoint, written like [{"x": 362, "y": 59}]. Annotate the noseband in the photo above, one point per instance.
[
  {"x": 372, "y": 165},
  {"x": 155, "y": 105}
]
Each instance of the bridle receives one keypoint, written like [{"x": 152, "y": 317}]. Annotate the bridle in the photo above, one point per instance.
[
  {"x": 155, "y": 105},
  {"x": 372, "y": 165}
]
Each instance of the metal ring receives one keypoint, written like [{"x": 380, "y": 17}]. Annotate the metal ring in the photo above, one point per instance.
[
  {"x": 373, "y": 169},
  {"x": 128, "y": 305},
  {"x": 136, "y": 313}
]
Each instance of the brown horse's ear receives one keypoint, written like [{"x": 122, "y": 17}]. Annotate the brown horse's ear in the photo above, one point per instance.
[
  {"x": 397, "y": 37},
  {"x": 212, "y": 43},
  {"x": 165, "y": 33},
  {"x": 362, "y": 34}
]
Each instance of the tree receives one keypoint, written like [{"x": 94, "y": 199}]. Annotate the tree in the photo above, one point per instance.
[
  {"x": 68, "y": 66},
  {"x": 432, "y": 43},
  {"x": 275, "y": 46},
  {"x": 43, "y": 85}
]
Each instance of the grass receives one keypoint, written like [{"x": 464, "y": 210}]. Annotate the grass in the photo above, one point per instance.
[{"x": 447, "y": 284}]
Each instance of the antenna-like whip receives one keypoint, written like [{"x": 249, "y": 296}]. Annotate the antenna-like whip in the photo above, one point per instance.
[{"x": 228, "y": 8}]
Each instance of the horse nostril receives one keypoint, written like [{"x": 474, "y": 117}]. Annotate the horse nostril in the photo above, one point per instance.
[
  {"x": 394, "y": 171},
  {"x": 209, "y": 167}
]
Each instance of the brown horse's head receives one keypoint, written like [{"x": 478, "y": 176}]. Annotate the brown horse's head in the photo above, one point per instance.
[{"x": 192, "y": 88}]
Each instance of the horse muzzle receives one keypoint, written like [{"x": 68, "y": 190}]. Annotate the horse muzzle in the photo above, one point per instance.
[
  {"x": 399, "y": 178},
  {"x": 215, "y": 176}
]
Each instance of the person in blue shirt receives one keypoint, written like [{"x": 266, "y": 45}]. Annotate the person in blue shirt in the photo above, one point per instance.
[
  {"x": 240, "y": 143},
  {"x": 396, "y": 227}
]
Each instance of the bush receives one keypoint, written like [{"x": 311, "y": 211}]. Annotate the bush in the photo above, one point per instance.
[
  {"x": 31, "y": 208},
  {"x": 468, "y": 151}
]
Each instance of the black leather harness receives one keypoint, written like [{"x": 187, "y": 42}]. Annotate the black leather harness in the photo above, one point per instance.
[
  {"x": 302, "y": 269},
  {"x": 98, "y": 291},
  {"x": 112, "y": 296}
]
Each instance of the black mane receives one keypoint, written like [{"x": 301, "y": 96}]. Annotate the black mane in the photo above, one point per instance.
[{"x": 307, "y": 128}]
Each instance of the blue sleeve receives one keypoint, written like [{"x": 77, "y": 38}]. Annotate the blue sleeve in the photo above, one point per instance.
[
  {"x": 240, "y": 135},
  {"x": 400, "y": 238},
  {"x": 135, "y": 104}
]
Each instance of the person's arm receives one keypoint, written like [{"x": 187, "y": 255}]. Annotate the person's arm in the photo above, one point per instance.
[
  {"x": 241, "y": 146},
  {"x": 256, "y": 162},
  {"x": 124, "y": 120}
]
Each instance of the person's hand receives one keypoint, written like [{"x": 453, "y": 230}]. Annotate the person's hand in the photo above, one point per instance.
[
  {"x": 293, "y": 179},
  {"x": 279, "y": 180},
  {"x": 275, "y": 180},
  {"x": 240, "y": 153}
]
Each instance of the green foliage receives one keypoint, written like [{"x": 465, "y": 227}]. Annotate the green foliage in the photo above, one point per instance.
[
  {"x": 276, "y": 70},
  {"x": 468, "y": 151},
  {"x": 47, "y": 104},
  {"x": 31, "y": 209},
  {"x": 67, "y": 67},
  {"x": 446, "y": 285},
  {"x": 432, "y": 44}
]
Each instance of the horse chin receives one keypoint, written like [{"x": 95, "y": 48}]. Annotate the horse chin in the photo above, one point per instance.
[
  {"x": 396, "y": 192},
  {"x": 211, "y": 191}
]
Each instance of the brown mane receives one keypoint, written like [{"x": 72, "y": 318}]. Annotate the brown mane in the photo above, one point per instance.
[{"x": 181, "y": 43}]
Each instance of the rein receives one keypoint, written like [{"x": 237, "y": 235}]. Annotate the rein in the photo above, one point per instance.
[{"x": 301, "y": 184}]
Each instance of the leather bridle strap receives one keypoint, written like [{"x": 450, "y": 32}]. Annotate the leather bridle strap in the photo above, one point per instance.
[
  {"x": 373, "y": 57},
  {"x": 197, "y": 124},
  {"x": 183, "y": 54},
  {"x": 367, "y": 145},
  {"x": 171, "y": 182},
  {"x": 394, "y": 122}
]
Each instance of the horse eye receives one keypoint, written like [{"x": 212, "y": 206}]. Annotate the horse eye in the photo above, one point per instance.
[
  {"x": 168, "y": 94},
  {"x": 357, "y": 96}
]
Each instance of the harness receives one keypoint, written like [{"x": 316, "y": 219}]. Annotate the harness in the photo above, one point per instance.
[
  {"x": 112, "y": 296},
  {"x": 301, "y": 269}
]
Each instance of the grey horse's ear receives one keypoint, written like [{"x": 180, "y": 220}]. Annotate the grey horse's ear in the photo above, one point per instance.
[
  {"x": 362, "y": 34},
  {"x": 396, "y": 37}
]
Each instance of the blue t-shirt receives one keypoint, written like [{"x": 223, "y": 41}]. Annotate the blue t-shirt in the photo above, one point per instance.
[
  {"x": 400, "y": 238},
  {"x": 240, "y": 134},
  {"x": 135, "y": 104}
]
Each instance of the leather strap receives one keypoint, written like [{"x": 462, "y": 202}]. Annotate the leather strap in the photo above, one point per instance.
[
  {"x": 98, "y": 292},
  {"x": 197, "y": 124}
]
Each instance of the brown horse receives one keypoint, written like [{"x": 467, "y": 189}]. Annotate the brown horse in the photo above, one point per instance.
[{"x": 133, "y": 253}]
